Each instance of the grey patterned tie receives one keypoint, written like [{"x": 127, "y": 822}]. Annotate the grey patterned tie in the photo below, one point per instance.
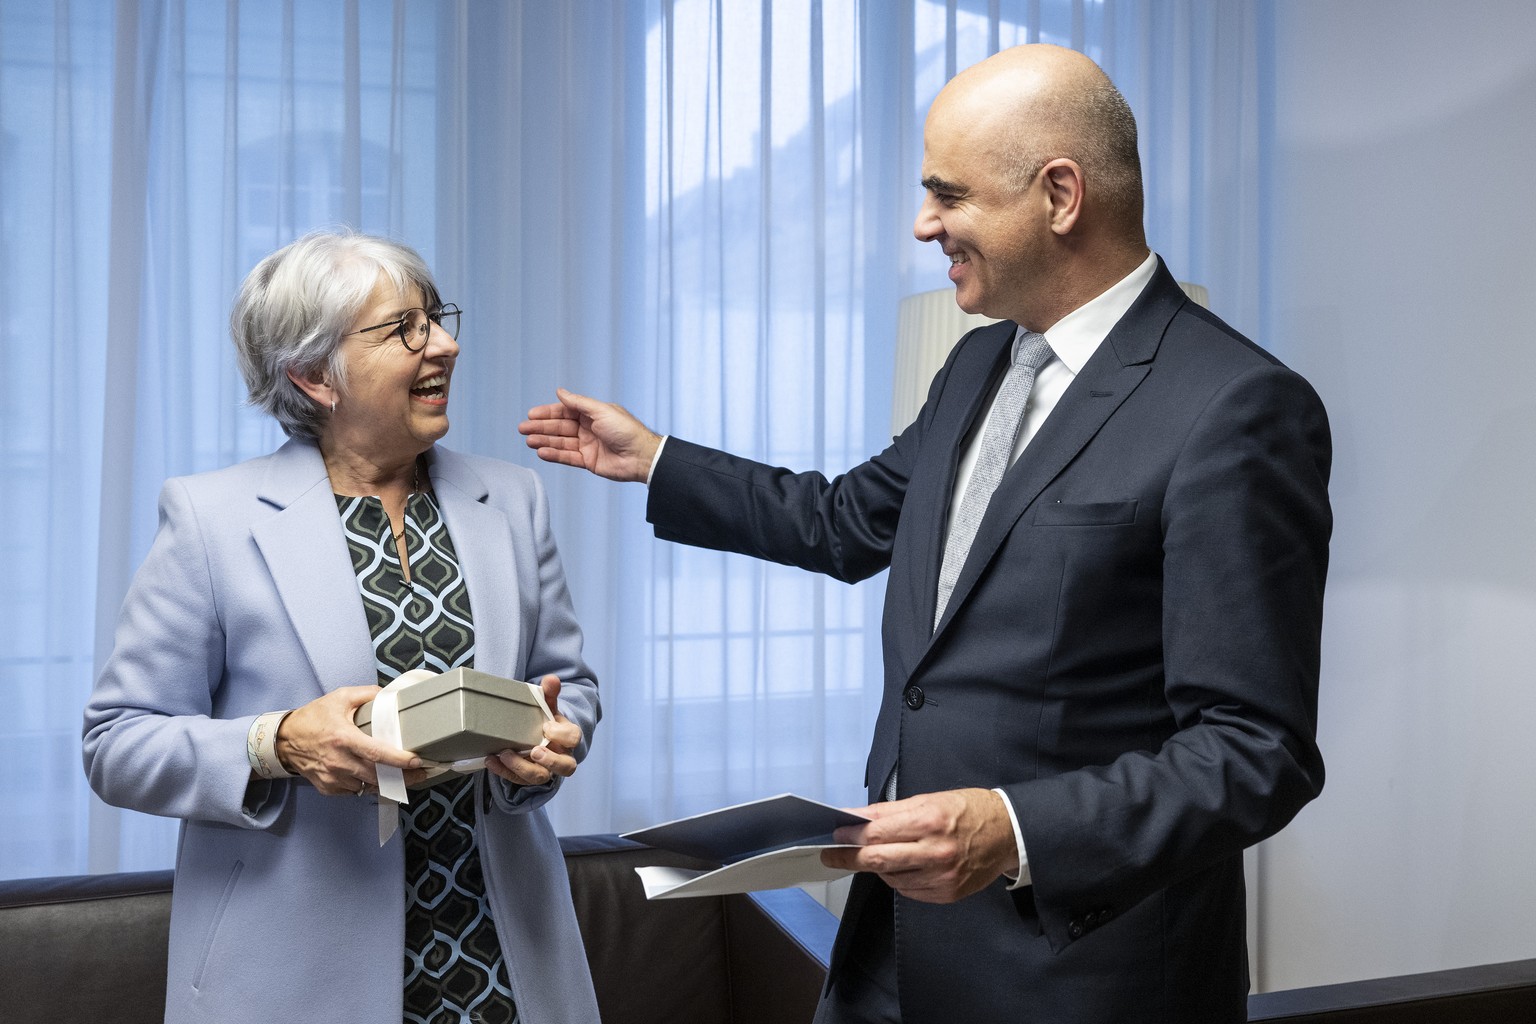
[{"x": 997, "y": 443}]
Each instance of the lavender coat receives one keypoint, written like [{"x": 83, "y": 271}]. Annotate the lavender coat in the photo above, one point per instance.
[{"x": 286, "y": 907}]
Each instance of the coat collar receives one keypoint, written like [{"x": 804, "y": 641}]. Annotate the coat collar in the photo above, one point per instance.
[{"x": 306, "y": 552}]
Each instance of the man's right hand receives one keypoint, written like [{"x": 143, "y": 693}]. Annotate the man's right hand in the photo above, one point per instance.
[{"x": 600, "y": 437}]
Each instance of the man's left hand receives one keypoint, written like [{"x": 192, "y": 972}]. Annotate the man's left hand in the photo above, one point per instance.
[{"x": 934, "y": 847}]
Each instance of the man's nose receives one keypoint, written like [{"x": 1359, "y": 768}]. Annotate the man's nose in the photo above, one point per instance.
[{"x": 927, "y": 227}]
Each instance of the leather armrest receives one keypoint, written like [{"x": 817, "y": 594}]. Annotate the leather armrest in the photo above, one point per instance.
[{"x": 1468, "y": 995}]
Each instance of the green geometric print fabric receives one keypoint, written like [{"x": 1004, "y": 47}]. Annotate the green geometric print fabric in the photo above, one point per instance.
[
  {"x": 455, "y": 972},
  {"x": 422, "y": 624}
]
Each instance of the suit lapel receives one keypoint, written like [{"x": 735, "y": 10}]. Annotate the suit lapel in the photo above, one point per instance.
[
  {"x": 975, "y": 364},
  {"x": 482, "y": 540},
  {"x": 305, "y": 550},
  {"x": 1121, "y": 362},
  {"x": 979, "y": 364}
]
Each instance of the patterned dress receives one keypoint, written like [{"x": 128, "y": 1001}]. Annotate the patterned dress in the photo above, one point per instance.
[{"x": 455, "y": 972}]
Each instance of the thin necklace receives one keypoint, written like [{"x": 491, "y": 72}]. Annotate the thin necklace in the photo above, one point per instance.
[{"x": 404, "y": 512}]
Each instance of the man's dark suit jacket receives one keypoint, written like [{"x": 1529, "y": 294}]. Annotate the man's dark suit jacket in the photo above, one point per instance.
[{"x": 1131, "y": 654}]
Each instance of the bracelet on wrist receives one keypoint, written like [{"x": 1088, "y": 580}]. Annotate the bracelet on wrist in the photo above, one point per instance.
[{"x": 261, "y": 746}]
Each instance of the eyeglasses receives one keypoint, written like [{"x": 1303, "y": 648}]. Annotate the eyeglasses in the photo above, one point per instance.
[{"x": 415, "y": 327}]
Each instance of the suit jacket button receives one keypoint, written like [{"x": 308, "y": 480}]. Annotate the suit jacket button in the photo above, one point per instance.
[
  {"x": 914, "y": 697},
  {"x": 1075, "y": 929}
]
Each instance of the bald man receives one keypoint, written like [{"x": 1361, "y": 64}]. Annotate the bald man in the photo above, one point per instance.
[{"x": 1103, "y": 691}]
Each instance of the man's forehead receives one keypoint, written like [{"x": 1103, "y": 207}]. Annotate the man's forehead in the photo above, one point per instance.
[
  {"x": 960, "y": 142},
  {"x": 958, "y": 162},
  {"x": 945, "y": 157}
]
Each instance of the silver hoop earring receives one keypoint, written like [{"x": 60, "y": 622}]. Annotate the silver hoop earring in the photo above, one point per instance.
[{"x": 333, "y": 408}]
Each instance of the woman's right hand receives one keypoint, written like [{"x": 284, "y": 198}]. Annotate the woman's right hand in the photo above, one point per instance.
[{"x": 321, "y": 742}]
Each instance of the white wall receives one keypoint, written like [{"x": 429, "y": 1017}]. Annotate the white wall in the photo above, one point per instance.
[{"x": 1402, "y": 270}]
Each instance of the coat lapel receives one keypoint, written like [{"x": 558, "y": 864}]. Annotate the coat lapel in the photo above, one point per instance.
[
  {"x": 482, "y": 540},
  {"x": 306, "y": 552}
]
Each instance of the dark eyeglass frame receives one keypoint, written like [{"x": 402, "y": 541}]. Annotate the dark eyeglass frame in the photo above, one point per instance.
[{"x": 448, "y": 311}]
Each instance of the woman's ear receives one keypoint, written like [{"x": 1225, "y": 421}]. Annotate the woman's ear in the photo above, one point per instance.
[{"x": 317, "y": 385}]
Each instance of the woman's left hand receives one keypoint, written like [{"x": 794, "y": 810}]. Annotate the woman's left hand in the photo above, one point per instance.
[{"x": 541, "y": 764}]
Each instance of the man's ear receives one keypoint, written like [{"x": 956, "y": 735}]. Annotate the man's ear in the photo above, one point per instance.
[
  {"x": 1063, "y": 181},
  {"x": 316, "y": 384}
]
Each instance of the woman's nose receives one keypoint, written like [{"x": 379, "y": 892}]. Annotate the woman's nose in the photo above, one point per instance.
[{"x": 440, "y": 343}]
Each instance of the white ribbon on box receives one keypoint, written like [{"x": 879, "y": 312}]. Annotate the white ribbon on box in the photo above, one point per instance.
[{"x": 386, "y": 729}]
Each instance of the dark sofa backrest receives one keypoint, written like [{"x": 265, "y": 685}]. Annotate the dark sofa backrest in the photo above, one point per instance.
[
  {"x": 92, "y": 948},
  {"x": 85, "y": 948},
  {"x": 709, "y": 960}
]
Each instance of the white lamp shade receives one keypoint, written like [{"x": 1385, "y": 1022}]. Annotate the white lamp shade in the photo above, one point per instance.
[{"x": 927, "y": 326}]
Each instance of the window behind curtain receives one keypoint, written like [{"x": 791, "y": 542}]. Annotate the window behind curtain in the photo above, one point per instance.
[
  {"x": 758, "y": 678},
  {"x": 55, "y": 109},
  {"x": 778, "y": 198},
  {"x": 152, "y": 154},
  {"x": 701, "y": 208}
]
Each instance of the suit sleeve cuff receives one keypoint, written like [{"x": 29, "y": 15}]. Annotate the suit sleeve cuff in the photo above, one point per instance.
[
  {"x": 655, "y": 459},
  {"x": 1021, "y": 879}
]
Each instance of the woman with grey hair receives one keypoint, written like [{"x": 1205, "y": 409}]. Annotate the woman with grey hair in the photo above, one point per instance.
[{"x": 278, "y": 596}]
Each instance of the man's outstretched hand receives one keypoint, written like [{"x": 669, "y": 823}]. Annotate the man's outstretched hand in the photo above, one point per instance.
[{"x": 600, "y": 437}]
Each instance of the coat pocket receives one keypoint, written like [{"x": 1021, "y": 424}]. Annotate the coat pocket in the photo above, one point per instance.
[
  {"x": 213, "y": 923},
  {"x": 1091, "y": 513}
]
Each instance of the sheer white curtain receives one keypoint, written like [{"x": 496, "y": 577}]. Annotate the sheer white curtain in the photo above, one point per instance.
[
  {"x": 700, "y": 208},
  {"x": 153, "y": 152},
  {"x": 762, "y": 267}
]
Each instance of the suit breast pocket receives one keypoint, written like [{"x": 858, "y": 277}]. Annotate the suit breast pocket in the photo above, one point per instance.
[{"x": 1089, "y": 513}]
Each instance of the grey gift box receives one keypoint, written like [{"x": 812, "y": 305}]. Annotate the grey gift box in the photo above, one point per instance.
[{"x": 463, "y": 713}]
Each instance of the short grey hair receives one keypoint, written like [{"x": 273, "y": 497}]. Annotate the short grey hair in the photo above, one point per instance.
[
  {"x": 1094, "y": 126},
  {"x": 296, "y": 304}
]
